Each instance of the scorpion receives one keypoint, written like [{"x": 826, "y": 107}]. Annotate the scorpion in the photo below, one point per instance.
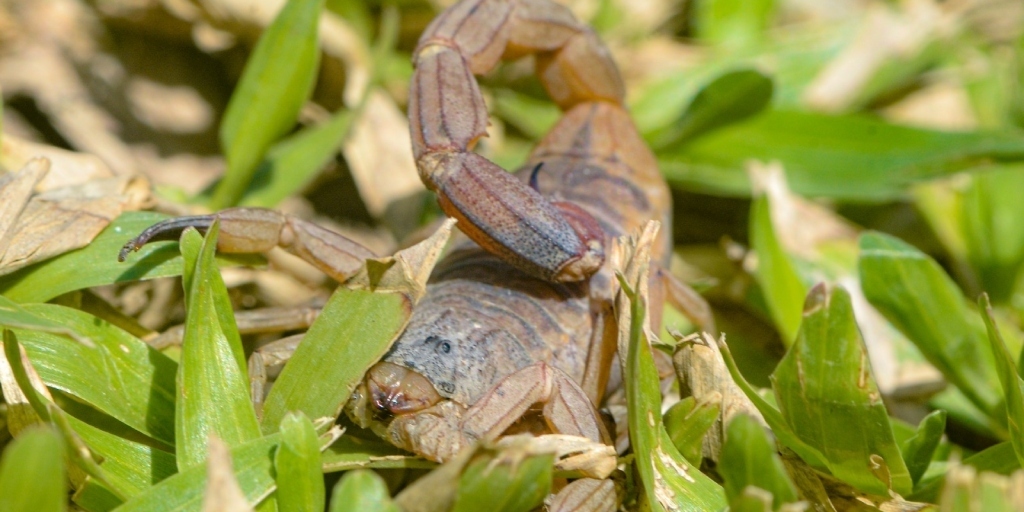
[{"x": 518, "y": 318}]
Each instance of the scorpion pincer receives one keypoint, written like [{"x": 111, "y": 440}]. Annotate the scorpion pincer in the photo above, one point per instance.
[{"x": 518, "y": 317}]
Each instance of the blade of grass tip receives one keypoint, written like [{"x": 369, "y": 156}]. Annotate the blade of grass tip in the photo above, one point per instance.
[
  {"x": 919, "y": 449},
  {"x": 1013, "y": 386},
  {"x": 213, "y": 389},
  {"x": 223, "y": 494},
  {"x": 32, "y": 473},
  {"x": 361, "y": 490},
  {"x": 276, "y": 82},
  {"x": 749, "y": 458},
  {"x": 827, "y": 393},
  {"x": 300, "y": 481}
]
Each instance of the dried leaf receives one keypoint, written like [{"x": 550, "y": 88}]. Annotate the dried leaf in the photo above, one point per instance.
[
  {"x": 222, "y": 490},
  {"x": 378, "y": 154},
  {"x": 68, "y": 218}
]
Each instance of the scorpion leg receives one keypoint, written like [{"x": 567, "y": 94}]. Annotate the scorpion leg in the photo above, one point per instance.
[
  {"x": 683, "y": 298},
  {"x": 567, "y": 409},
  {"x": 250, "y": 230},
  {"x": 551, "y": 240}
]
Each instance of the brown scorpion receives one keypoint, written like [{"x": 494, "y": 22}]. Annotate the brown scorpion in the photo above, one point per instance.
[{"x": 519, "y": 313}]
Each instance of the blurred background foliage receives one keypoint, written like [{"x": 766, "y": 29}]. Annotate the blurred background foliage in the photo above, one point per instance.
[{"x": 874, "y": 145}]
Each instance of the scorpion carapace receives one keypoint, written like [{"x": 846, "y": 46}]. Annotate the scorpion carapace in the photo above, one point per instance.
[{"x": 520, "y": 314}]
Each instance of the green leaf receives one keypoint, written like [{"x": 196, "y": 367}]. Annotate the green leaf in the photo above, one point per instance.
[
  {"x": 828, "y": 396},
  {"x": 15, "y": 316},
  {"x": 354, "y": 331},
  {"x": 361, "y": 490},
  {"x": 749, "y": 458},
  {"x": 96, "y": 264},
  {"x": 728, "y": 98},
  {"x": 276, "y": 82},
  {"x": 534, "y": 117},
  {"x": 1013, "y": 386},
  {"x": 687, "y": 422},
  {"x": 840, "y": 157},
  {"x": 253, "y": 462},
  {"x": 919, "y": 449},
  {"x": 32, "y": 473},
  {"x": 783, "y": 290},
  {"x": 734, "y": 24},
  {"x": 1001, "y": 459},
  {"x": 143, "y": 378},
  {"x": 493, "y": 484},
  {"x": 664, "y": 473},
  {"x": 131, "y": 467},
  {"x": 992, "y": 223},
  {"x": 300, "y": 483},
  {"x": 213, "y": 389},
  {"x": 352, "y": 452},
  {"x": 783, "y": 432},
  {"x": 913, "y": 292},
  {"x": 294, "y": 162}
]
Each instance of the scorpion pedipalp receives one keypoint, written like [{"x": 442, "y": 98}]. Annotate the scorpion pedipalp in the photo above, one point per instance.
[{"x": 448, "y": 115}]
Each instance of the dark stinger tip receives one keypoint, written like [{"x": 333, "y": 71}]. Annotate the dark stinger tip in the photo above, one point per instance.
[{"x": 169, "y": 229}]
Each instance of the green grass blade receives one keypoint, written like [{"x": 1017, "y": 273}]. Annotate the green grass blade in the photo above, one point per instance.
[
  {"x": 488, "y": 483},
  {"x": 783, "y": 290},
  {"x": 32, "y": 473},
  {"x": 357, "y": 326},
  {"x": 130, "y": 467},
  {"x": 686, "y": 423},
  {"x": 14, "y": 316},
  {"x": 992, "y": 223},
  {"x": 275, "y": 84},
  {"x": 254, "y": 467},
  {"x": 840, "y": 157},
  {"x": 97, "y": 265},
  {"x": 828, "y": 396},
  {"x": 1013, "y": 386},
  {"x": 300, "y": 482},
  {"x": 142, "y": 377},
  {"x": 775, "y": 420},
  {"x": 728, "y": 98},
  {"x": 354, "y": 331},
  {"x": 213, "y": 389},
  {"x": 294, "y": 162},
  {"x": 749, "y": 458},
  {"x": 669, "y": 481},
  {"x": 361, "y": 490},
  {"x": 913, "y": 292},
  {"x": 919, "y": 448},
  {"x": 352, "y": 452}
]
